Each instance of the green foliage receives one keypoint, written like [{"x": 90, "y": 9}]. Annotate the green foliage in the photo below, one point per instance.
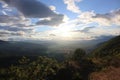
[
  {"x": 109, "y": 48},
  {"x": 24, "y": 60},
  {"x": 108, "y": 54},
  {"x": 40, "y": 69},
  {"x": 105, "y": 61},
  {"x": 79, "y": 54}
]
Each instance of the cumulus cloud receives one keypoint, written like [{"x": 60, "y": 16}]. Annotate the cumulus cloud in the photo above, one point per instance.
[
  {"x": 31, "y": 8},
  {"x": 6, "y": 35},
  {"x": 13, "y": 25},
  {"x": 112, "y": 18},
  {"x": 11, "y": 33},
  {"x": 52, "y": 35},
  {"x": 72, "y": 6},
  {"x": 107, "y": 19},
  {"x": 85, "y": 30},
  {"x": 53, "y": 21},
  {"x": 16, "y": 17},
  {"x": 95, "y": 33},
  {"x": 85, "y": 19},
  {"x": 102, "y": 24},
  {"x": 36, "y": 9},
  {"x": 15, "y": 29},
  {"x": 53, "y": 8},
  {"x": 13, "y": 19}
]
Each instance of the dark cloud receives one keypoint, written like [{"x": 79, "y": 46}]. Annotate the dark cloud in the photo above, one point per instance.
[
  {"x": 15, "y": 29},
  {"x": 52, "y": 35},
  {"x": 108, "y": 19},
  {"x": 36, "y": 9},
  {"x": 5, "y": 33},
  {"x": 7, "y": 19},
  {"x": 14, "y": 25},
  {"x": 0, "y": 5},
  {"x": 31, "y": 8},
  {"x": 85, "y": 30},
  {"x": 14, "y": 20},
  {"x": 54, "y": 21},
  {"x": 108, "y": 15}
]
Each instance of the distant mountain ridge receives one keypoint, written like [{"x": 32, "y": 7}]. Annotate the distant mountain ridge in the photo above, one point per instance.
[
  {"x": 37, "y": 48},
  {"x": 20, "y": 48},
  {"x": 2, "y": 42}
]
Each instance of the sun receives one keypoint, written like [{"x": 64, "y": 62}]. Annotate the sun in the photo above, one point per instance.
[{"x": 64, "y": 32}]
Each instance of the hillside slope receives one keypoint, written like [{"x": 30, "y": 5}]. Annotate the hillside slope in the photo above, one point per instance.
[
  {"x": 111, "y": 47},
  {"x": 107, "y": 60}
]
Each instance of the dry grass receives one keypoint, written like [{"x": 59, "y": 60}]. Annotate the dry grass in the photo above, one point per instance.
[{"x": 110, "y": 73}]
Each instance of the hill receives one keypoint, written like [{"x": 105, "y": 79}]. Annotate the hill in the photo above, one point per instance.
[
  {"x": 110, "y": 47},
  {"x": 107, "y": 60},
  {"x": 20, "y": 49},
  {"x": 1, "y": 41}
]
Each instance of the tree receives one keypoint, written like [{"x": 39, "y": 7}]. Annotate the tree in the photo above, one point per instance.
[
  {"x": 41, "y": 69},
  {"x": 79, "y": 54}
]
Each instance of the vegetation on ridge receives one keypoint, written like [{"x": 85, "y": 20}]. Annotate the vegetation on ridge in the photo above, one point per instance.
[{"x": 103, "y": 63}]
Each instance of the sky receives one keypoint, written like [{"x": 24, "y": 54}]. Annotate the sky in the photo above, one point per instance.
[{"x": 58, "y": 19}]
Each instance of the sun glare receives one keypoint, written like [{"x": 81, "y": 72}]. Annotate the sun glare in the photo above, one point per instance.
[{"x": 64, "y": 32}]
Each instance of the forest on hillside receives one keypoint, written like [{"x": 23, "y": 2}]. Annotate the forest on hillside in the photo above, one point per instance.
[{"x": 103, "y": 63}]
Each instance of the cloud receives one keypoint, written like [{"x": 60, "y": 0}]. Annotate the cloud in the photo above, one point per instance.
[
  {"x": 11, "y": 19},
  {"x": 8, "y": 31},
  {"x": 102, "y": 24},
  {"x": 6, "y": 35},
  {"x": 89, "y": 25},
  {"x": 72, "y": 6},
  {"x": 108, "y": 19},
  {"x": 85, "y": 30},
  {"x": 53, "y": 21},
  {"x": 15, "y": 23},
  {"x": 11, "y": 26},
  {"x": 95, "y": 33},
  {"x": 16, "y": 17},
  {"x": 11, "y": 33},
  {"x": 52, "y": 35},
  {"x": 15, "y": 29},
  {"x": 6, "y": 10},
  {"x": 53, "y": 8},
  {"x": 31, "y": 8},
  {"x": 36, "y": 9}
]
